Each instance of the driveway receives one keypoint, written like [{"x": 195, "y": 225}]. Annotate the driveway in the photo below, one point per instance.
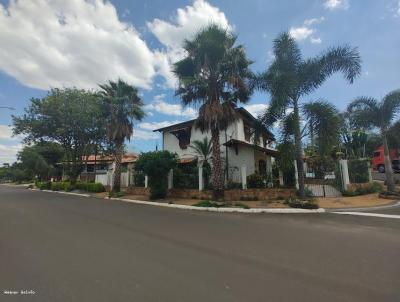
[
  {"x": 382, "y": 177},
  {"x": 70, "y": 248}
]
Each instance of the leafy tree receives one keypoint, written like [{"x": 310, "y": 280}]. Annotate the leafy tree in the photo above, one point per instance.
[
  {"x": 369, "y": 113},
  {"x": 290, "y": 77},
  {"x": 203, "y": 149},
  {"x": 123, "y": 106},
  {"x": 69, "y": 117},
  {"x": 156, "y": 166},
  {"x": 214, "y": 74},
  {"x": 394, "y": 136}
]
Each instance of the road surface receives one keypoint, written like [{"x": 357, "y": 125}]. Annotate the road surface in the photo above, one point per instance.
[{"x": 56, "y": 247}]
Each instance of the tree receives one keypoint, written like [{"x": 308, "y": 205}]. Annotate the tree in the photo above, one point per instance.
[
  {"x": 69, "y": 117},
  {"x": 215, "y": 75},
  {"x": 369, "y": 113},
  {"x": 290, "y": 77},
  {"x": 124, "y": 107},
  {"x": 156, "y": 165},
  {"x": 203, "y": 148}
]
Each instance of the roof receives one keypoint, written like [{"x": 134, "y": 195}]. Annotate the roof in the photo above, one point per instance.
[
  {"x": 235, "y": 142},
  {"x": 126, "y": 158},
  {"x": 185, "y": 124}
]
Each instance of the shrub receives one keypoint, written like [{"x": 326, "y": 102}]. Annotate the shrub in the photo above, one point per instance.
[
  {"x": 43, "y": 185},
  {"x": 301, "y": 204},
  {"x": 358, "y": 171},
  {"x": 207, "y": 203},
  {"x": 255, "y": 181},
  {"x": 93, "y": 187},
  {"x": 373, "y": 187},
  {"x": 233, "y": 185},
  {"x": 157, "y": 165}
]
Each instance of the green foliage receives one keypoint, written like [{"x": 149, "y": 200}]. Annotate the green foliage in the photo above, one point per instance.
[
  {"x": 373, "y": 187},
  {"x": 215, "y": 75},
  {"x": 255, "y": 180},
  {"x": 285, "y": 162},
  {"x": 301, "y": 204},
  {"x": 156, "y": 165},
  {"x": 62, "y": 186},
  {"x": 290, "y": 77},
  {"x": 358, "y": 170},
  {"x": 208, "y": 204},
  {"x": 202, "y": 148},
  {"x": 43, "y": 185},
  {"x": 90, "y": 187},
  {"x": 72, "y": 117},
  {"x": 186, "y": 176}
]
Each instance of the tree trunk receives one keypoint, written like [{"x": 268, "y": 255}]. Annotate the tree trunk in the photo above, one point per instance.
[
  {"x": 388, "y": 165},
  {"x": 117, "y": 172},
  {"x": 298, "y": 150},
  {"x": 218, "y": 184}
]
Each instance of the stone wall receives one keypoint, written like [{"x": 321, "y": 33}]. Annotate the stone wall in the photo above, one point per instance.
[{"x": 230, "y": 195}]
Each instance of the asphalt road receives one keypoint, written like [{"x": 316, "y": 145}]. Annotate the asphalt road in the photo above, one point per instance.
[{"x": 69, "y": 248}]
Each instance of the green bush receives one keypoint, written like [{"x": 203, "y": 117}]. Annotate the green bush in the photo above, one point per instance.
[
  {"x": 43, "y": 185},
  {"x": 358, "y": 170},
  {"x": 207, "y": 203},
  {"x": 374, "y": 187},
  {"x": 93, "y": 187},
  {"x": 62, "y": 186},
  {"x": 302, "y": 204},
  {"x": 157, "y": 165},
  {"x": 255, "y": 181}
]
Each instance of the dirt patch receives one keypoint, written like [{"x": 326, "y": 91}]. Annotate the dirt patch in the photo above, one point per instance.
[{"x": 369, "y": 200}]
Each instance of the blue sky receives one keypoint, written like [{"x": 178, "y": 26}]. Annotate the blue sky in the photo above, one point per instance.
[{"x": 80, "y": 43}]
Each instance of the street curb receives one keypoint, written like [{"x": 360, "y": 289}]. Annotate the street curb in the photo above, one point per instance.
[
  {"x": 366, "y": 209},
  {"x": 221, "y": 210},
  {"x": 207, "y": 209},
  {"x": 62, "y": 192}
]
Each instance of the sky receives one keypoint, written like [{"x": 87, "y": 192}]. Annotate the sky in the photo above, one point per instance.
[{"x": 57, "y": 43}]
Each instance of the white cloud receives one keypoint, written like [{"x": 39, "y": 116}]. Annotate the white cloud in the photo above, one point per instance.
[
  {"x": 161, "y": 106},
  {"x": 306, "y": 31},
  {"x": 336, "y": 4},
  {"x": 144, "y": 135},
  {"x": 71, "y": 43},
  {"x": 183, "y": 25},
  {"x": 6, "y": 132},
  {"x": 8, "y": 153},
  {"x": 256, "y": 109},
  {"x": 157, "y": 125},
  {"x": 301, "y": 33}
]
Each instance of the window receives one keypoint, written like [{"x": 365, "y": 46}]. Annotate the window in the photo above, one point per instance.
[
  {"x": 377, "y": 154},
  {"x": 247, "y": 132},
  {"x": 183, "y": 135}
]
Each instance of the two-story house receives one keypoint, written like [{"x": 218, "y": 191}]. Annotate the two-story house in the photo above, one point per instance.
[{"x": 237, "y": 144}]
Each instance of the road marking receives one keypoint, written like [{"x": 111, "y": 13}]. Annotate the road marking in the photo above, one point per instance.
[{"x": 369, "y": 214}]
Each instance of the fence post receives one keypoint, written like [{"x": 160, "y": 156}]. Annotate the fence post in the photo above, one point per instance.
[
  {"x": 296, "y": 174},
  {"x": 369, "y": 172},
  {"x": 244, "y": 177},
  {"x": 171, "y": 179},
  {"x": 146, "y": 181},
  {"x": 201, "y": 183},
  {"x": 281, "y": 183},
  {"x": 345, "y": 173}
]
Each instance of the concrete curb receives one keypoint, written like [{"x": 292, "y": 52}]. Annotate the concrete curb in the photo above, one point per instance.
[
  {"x": 221, "y": 210},
  {"x": 366, "y": 209},
  {"x": 207, "y": 209},
  {"x": 62, "y": 192}
]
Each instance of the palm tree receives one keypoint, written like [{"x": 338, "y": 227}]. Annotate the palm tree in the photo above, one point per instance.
[
  {"x": 323, "y": 123},
  {"x": 290, "y": 77},
  {"x": 123, "y": 106},
  {"x": 367, "y": 112},
  {"x": 202, "y": 148},
  {"x": 214, "y": 74}
]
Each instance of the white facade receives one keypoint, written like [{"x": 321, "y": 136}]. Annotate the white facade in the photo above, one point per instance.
[{"x": 240, "y": 150}]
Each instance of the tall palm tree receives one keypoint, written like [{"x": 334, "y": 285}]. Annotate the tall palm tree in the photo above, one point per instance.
[
  {"x": 123, "y": 106},
  {"x": 214, "y": 74},
  {"x": 290, "y": 77},
  {"x": 203, "y": 148},
  {"x": 367, "y": 112}
]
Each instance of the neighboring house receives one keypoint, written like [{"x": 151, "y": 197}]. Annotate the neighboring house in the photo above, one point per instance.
[
  {"x": 100, "y": 164},
  {"x": 237, "y": 145}
]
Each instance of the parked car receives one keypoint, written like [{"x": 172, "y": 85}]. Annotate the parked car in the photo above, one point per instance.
[{"x": 378, "y": 160}]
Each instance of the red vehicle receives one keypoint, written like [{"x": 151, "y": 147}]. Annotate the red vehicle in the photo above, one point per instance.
[{"x": 378, "y": 161}]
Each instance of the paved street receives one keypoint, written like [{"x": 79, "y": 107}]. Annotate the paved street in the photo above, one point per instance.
[
  {"x": 382, "y": 177},
  {"x": 70, "y": 248}
]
